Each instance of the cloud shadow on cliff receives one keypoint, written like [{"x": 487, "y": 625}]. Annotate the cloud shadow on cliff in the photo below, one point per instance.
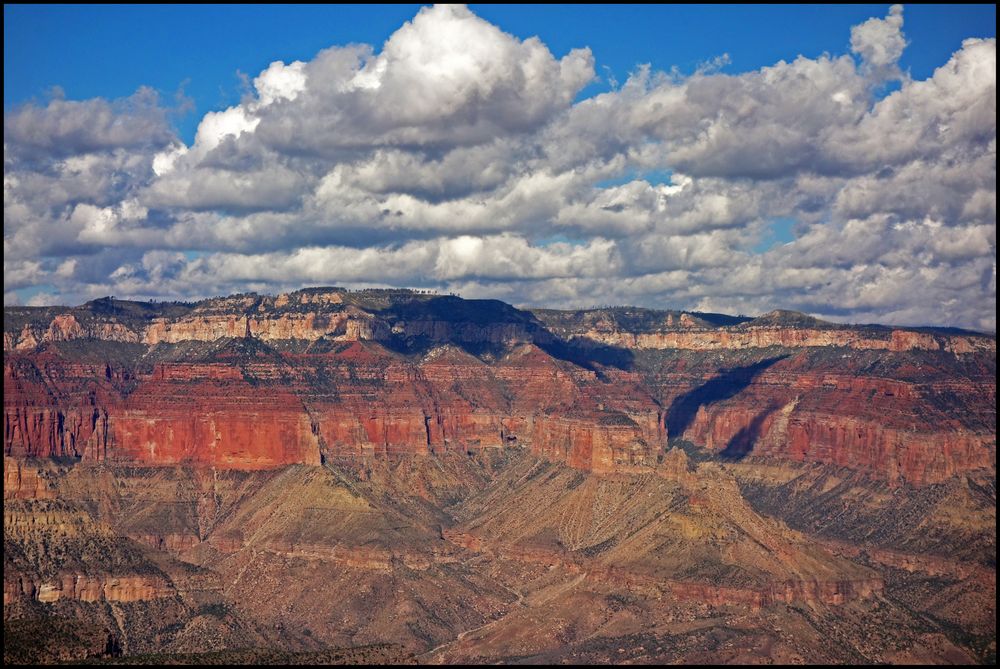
[
  {"x": 727, "y": 384},
  {"x": 742, "y": 443},
  {"x": 470, "y": 320},
  {"x": 588, "y": 356}
]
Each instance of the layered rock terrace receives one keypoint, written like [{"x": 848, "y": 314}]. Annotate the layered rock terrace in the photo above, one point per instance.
[{"x": 250, "y": 382}]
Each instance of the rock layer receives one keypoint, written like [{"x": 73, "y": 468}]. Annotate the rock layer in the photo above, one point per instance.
[{"x": 250, "y": 382}]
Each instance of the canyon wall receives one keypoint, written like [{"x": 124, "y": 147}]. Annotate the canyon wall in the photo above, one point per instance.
[
  {"x": 84, "y": 588},
  {"x": 252, "y": 382}
]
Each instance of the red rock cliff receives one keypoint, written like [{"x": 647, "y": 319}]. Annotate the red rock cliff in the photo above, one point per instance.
[{"x": 350, "y": 376}]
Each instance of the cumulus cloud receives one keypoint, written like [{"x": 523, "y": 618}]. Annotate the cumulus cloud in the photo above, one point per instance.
[
  {"x": 880, "y": 43},
  {"x": 456, "y": 156},
  {"x": 448, "y": 66},
  {"x": 67, "y": 127}
]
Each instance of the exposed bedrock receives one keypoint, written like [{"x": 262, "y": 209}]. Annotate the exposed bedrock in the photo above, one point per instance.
[
  {"x": 252, "y": 382},
  {"x": 86, "y": 588}
]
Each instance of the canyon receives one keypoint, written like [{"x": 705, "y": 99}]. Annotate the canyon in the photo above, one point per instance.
[{"x": 468, "y": 481}]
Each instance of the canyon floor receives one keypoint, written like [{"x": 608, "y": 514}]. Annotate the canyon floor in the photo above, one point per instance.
[
  {"x": 506, "y": 557},
  {"x": 391, "y": 477}
]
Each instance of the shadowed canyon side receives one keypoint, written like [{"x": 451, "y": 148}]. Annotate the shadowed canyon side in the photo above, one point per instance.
[{"x": 475, "y": 482}]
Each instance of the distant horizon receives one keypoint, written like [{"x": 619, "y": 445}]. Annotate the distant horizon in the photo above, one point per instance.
[
  {"x": 521, "y": 307},
  {"x": 838, "y": 161}
]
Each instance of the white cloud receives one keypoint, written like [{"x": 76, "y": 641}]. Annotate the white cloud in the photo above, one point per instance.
[
  {"x": 217, "y": 126},
  {"x": 280, "y": 82},
  {"x": 20, "y": 273},
  {"x": 67, "y": 127},
  {"x": 880, "y": 43},
  {"x": 448, "y": 64},
  {"x": 455, "y": 156}
]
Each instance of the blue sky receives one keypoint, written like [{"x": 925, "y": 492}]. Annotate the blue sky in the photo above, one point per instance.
[
  {"x": 110, "y": 51},
  {"x": 835, "y": 159}
]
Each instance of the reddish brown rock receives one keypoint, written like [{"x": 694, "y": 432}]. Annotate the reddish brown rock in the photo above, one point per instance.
[
  {"x": 23, "y": 481},
  {"x": 85, "y": 588},
  {"x": 372, "y": 374},
  {"x": 208, "y": 416},
  {"x": 884, "y": 427}
]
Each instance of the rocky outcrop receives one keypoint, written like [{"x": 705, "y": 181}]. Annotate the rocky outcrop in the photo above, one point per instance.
[
  {"x": 66, "y": 327},
  {"x": 23, "y": 481},
  {"x": 192, "y": 416},
  {"x": 895, "y": 430},
  {"x": 267, "y": 413},
  {"x": 350, "y": 324},
  {"x": 750, "y": 338},
  {"x": 335, "y": 313},
  {"x": 53, "y": 409},
  {"x": 255, "y": 382},
  {"x": 180, "y": 414},
  {"x": 792, "y": 591},
  {"x": 811, "y": 592},
  {"x": 84, "y": 588},
  {"x": 614, "y": 442}
]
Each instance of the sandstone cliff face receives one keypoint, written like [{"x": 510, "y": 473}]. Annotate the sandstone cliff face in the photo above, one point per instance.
[
  {"x": 203, "y": 415},
  {"x": 311, "y": 315},
  {"x": 350, "y": 324},
  {"x": 84, "y": 588},
  {"x": 251, "y": 382},
  {"x": 867, "y": 444},
  {"x": 51, "y": 410},
  {"x": 65, "y": 327},
  {"x": 299, "y": 316},
  {"x": 898, "y": 340},
  {"x": 367, "y": 403},
  {"x": 615, "y": 443},
  {"x": 186, "y": 414},
  {"x": 23, "y": 481},
  {"x": 897, "y": 430},
  {"x": 55, "y": 549}
]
